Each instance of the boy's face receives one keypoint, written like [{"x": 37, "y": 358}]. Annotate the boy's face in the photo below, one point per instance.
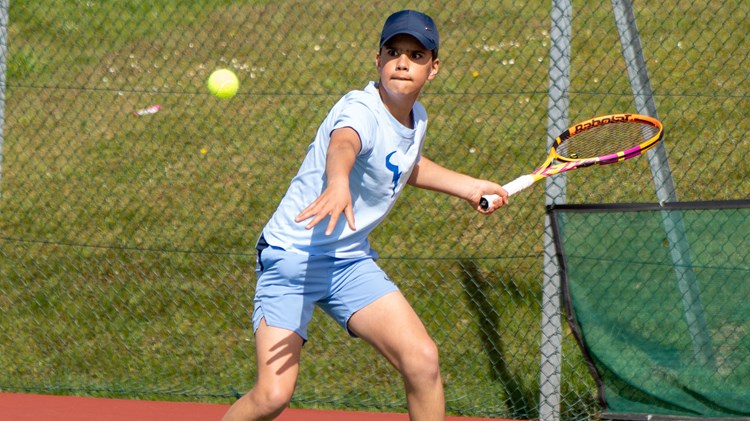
[{"x": 405, "y": 65}]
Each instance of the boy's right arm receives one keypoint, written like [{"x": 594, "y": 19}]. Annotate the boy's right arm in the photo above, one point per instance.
[
  {"x": 432, "y": 176},
  {"x": 336, "y": 198}
]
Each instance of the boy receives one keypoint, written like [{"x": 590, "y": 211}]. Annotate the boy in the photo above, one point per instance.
[{"x": 365, "y": 151}]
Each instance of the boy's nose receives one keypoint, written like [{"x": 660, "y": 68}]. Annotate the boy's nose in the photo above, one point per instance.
[{"x": 403, "y": 62}]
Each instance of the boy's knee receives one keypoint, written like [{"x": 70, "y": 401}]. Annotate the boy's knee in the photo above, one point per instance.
[
  {"x": 271, "y": 402},
  {"x": 277, "y": 400},
  {"x": 429, "y": 353},
  {"x": 423, "y": 362}
]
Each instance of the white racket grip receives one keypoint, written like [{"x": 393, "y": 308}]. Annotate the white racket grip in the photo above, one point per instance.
[
  {"x": 515, "y": 186},
  {"x": 521, "y": 183}
]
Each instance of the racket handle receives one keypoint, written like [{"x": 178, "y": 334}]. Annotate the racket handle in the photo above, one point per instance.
[{"x": 515, "y": 186}]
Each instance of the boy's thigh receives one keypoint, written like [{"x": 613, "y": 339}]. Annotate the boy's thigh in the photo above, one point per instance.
[
  {"x": 389, "y": 322},
  {"x": 355, "y": 284},
  {"x": 278, "y": 357},
  {"x": 395, "y": 330}
]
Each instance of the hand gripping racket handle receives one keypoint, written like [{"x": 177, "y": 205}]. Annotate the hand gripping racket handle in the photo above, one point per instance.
[{"x": 515, "y": 186}]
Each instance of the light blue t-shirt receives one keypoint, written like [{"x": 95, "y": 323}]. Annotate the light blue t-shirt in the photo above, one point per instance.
[{"x": 387, "y": 157}]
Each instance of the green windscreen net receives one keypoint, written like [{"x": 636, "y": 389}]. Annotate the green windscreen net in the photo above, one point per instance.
[{"x": 659, "y": 300}]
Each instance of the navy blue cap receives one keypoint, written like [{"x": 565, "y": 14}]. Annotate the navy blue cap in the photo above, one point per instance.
[{"x": 414, "y": 23}]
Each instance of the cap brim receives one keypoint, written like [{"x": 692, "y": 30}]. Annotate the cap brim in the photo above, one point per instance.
[{"x": 427, "y": 43}]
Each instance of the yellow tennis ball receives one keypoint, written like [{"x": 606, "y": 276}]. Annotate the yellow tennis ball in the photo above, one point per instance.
[{"x": 223, "y": 83}]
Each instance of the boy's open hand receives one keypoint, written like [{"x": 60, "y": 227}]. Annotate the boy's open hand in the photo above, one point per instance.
[
  {"x": 336, "y": 197},
  {"x": 334, "y": 201}
]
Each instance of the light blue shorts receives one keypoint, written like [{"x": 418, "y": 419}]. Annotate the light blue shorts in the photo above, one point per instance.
[{"x": 290, "y": 285}]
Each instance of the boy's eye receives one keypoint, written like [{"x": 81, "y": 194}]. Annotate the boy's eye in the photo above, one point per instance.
[{"x": 414, "y": 55}]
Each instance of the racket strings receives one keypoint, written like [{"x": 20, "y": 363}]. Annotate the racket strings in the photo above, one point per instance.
[{"x": 606, "y": 139}]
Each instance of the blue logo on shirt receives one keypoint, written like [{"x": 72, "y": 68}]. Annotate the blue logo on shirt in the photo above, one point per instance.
[{"x": 394, "y": 169}]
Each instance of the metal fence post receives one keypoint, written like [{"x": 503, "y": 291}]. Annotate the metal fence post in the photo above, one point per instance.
[
  {"x": 4, "y": 19},
  {"x": 679, "y": 248},
  {"x": 557, "y": 122}
]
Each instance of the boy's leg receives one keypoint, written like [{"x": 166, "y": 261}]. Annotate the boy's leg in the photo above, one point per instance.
[
  {"x": 278, "y": 356},
  {"x": 394, "y": 329}
]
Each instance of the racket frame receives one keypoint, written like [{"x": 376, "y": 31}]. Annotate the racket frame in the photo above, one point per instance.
[{"x": 565, "y": 164}]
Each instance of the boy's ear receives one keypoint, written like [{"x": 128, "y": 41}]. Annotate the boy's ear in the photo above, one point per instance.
[{"x": 435, "y": 68}]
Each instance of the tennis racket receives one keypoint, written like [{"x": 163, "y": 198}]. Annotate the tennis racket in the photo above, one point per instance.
[{"x": 601, "y": 140}]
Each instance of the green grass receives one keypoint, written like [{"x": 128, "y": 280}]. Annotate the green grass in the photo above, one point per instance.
[{"x": 127, "y": 252}]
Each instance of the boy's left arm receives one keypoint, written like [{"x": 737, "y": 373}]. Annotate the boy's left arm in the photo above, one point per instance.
[
  {"x": 336, "y": 198},
  {"x": 431, "y": 176}
]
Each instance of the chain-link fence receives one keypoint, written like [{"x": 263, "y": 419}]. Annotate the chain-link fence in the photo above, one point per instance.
[{"x": 132, "y": 198}]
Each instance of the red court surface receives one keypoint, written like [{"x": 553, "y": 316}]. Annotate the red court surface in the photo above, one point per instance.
[{"x": 28, "y": 407}]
